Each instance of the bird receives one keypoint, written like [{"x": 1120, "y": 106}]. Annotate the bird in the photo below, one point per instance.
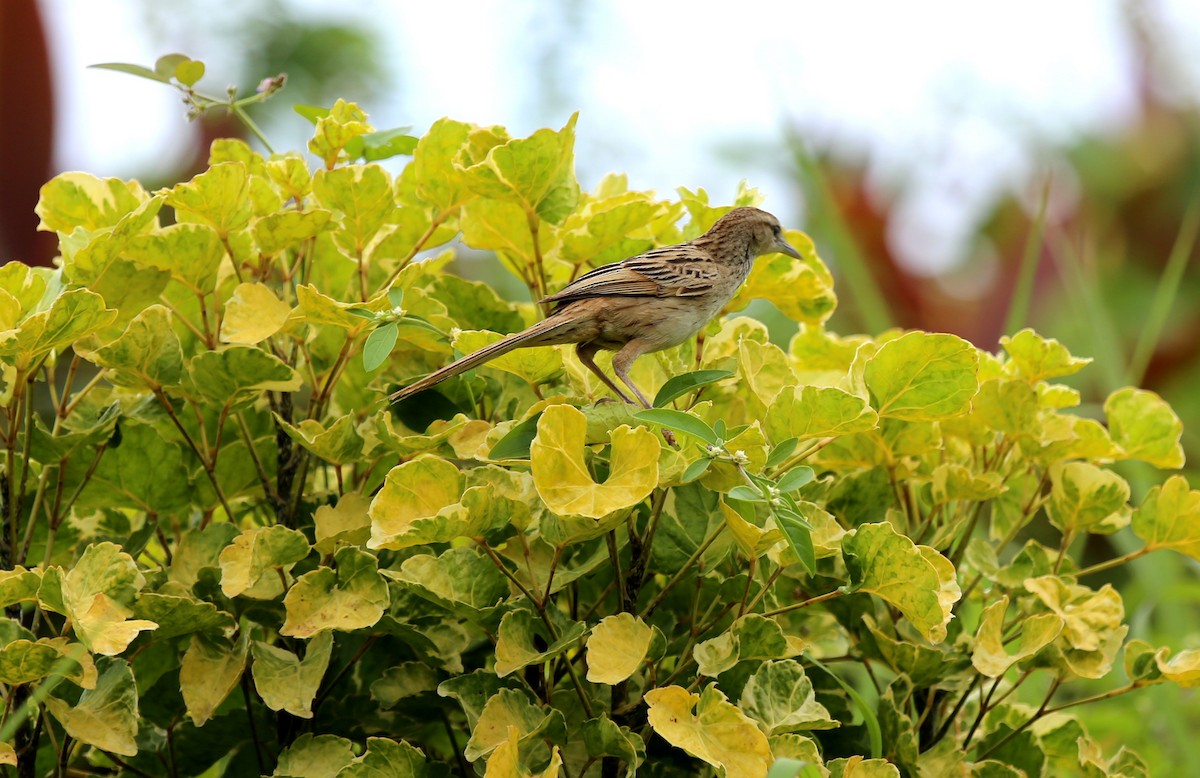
[{"x": 642, "y": 304}]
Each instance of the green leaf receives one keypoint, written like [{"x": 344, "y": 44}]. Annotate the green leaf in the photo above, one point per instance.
[
  {"x": 315, "y": 756},
  {"x": 680, "y": 421},
  {"x": 798, "y": 533},
  {"x": 517, "y": 441},
  {"x": 73, "y": 315},
  {"x": 282, "y": 230},
  {"x": 197, "y": 549},
  {"x": 148, "y": 354},
  {"x": 537, "y": 172},
  {"x": 781, "y": 698},
  {"x": 864, "y": 710},
  {"x": 1087, "y": 498},
  {"x": 180, "y": 614},
  {"x": 361, "y": 197},
  {"x": 746, "y": 494},
  {"x": 500, "y": 226},
  {"x": 134, "y": 70},
  {"x": 166, "y": 64},
  {"x": 314, "y": 113},
  {"x": 617, "y": 647},
  {"x": 71, "y": 200},
  {"x": 679, "y": 385},
  {"x": 796, "y": 478},
  {"x": 751, "y": 637},
  {"x": 354, "y": 597},
  {"x": 436, "y": 177},
  {"x": 252, "y": 563},
  {"x": 523, "y": 639},
  {"x": 765, "y": 369},
  {"x": 341, "y": 443},
  {"x": 144, "y": 472},
  {"x": 229, "y": 375},
  {"x": 922, "y": 377},
  {"x": 1169, "y": 517},
  {"x": 378, "y": 346},
  {"x": 563, "y": 480},
  {"x": 382, "y": 144},
  {"x": 805, "y": 412},
  {"x": 344, "y": 122},
  {"x": 210, "y": 669},
  {"x": 105, "y": 717},
  {"x": 781, "y": 452},
  {"x": 507, "y": 708},
  {"x": 405, "y": 680},
  {"x": 917, "y": 580},
  {"x": 1035, "y": 358},
  {"x": 462, "y": 580},
  {"x": 218, "y": 197},
  {"x": 26, "y": 661},
  {"x": 95, "y": 596},
  {"x": 709, "y": 728},
  {"x": 1145, "y": 427},
  {"x": 603, "y": 737},
  {"x": 286, "y": 682},
  {"x": 188, "y": 73},
  {"x": 696, "y": 469},
  {"x": 191, "y": 253},
  {"x": 18, "y": 585},
  {"x": 388, "y": 759}
]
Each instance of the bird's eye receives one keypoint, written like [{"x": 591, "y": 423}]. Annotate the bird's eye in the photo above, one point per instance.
[{"x": 775, "y": 229}]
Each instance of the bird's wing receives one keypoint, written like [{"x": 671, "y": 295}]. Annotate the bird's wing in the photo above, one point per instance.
[{"x": 674, "y": 271}]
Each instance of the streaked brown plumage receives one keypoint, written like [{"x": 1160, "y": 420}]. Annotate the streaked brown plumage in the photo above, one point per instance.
[{"x": 645, "y": 303}]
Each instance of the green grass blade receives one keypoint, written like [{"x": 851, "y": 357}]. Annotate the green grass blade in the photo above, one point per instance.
[
  {"x": 829, "y": 224},
  {"x": 1165, "y": 294},
  {"x": 1022, "y": 298}
]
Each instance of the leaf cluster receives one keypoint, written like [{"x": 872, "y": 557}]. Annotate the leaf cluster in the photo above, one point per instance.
[{"x": 224, "y": 554}]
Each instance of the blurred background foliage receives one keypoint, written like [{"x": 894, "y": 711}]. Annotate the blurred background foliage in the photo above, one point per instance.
[{"x": 1112, "y": 262}]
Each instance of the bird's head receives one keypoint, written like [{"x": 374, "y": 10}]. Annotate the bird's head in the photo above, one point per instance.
[{"x": 754, "y": 228}]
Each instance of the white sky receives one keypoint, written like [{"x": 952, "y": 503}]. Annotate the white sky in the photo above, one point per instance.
[{"x": 949, "y": 101}]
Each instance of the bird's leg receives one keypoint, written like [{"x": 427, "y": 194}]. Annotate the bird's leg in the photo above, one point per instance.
[
  {"x": 621, "y": 362},
  {"x": 586, "y": 353}
]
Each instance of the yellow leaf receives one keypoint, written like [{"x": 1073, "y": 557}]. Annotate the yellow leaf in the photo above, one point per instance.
[
  {"x": 253, "y": 314},
  {"x": 1169, "y": 517},
  {"x": 989, "y": 654},
  {"x": 1183, "y": 668},
  {"x": 708, "y": 727},
  {"x": 562, "y": 477},
  {"x": 347, "y": 522},
  {"x": 417, "y": 489},
  {"x": 617, "y": 647},
  {"x": 505, "y": 761},
  {"x": 208, "y": 673}
]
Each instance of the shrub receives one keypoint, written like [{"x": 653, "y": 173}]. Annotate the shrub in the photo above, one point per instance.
[{"x": 224, "y": 554}]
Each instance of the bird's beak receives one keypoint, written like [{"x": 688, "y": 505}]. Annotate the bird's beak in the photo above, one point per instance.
[{"x": 783, "y": 247}]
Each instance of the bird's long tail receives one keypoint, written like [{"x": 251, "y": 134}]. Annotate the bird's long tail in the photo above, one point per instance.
[{"x": 540, "y": 334}]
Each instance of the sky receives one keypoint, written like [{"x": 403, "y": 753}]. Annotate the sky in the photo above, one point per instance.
[{"x": 947, "y": 104}]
